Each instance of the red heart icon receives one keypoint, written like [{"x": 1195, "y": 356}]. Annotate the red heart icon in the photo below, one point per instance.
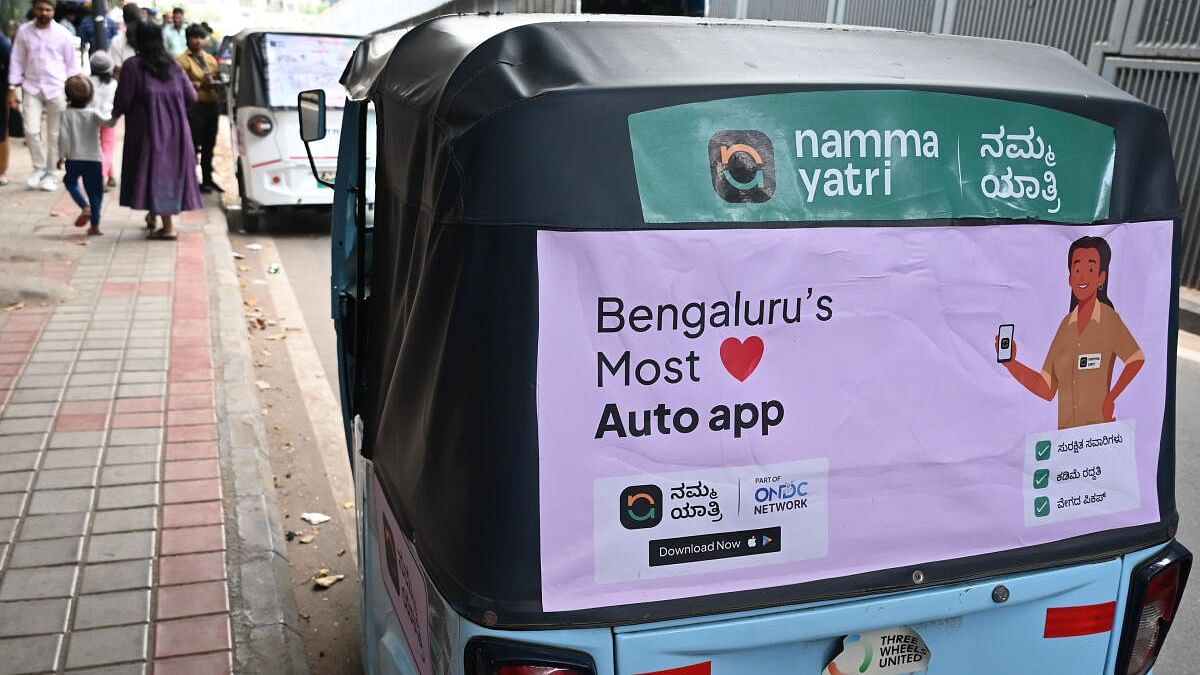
[{"x": 741, "y": 358}]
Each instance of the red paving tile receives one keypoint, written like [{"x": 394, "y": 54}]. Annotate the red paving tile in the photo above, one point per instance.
[
  {"x": 187, "y": 451},
  {"x": 191, "y": 469},
  {"x": 88, "y": 422},
  {"x": 141, "y": 420},
  {"x": 186, "y": 569},
  {"x": 198, "y": 432},
  {"x": 191, "y": 636},
  {"x": 190, "y": 340},
  {"x": 154, "y": 288},
  {"x": 16, "y": 346},
  {"x": 195, "y": 416},
  {"x": 139, "y": 405},
  {"x": 175, "y": 492},
  {"x": 191, "y": 515},
  {"x": 191, "y": 374},
  {"x": 192, "y": 540},
  {"x": 14, "y": 357},
  {"x": 83, "y": 408},
  {"x": 190, "y": 402},
  {"x": 218, "y": 663},
  {"x": 10, "y": 368},
  {"x": 209, "y": 597},
  {"x": 190, "y": 388},
  {"x": 191, "y": 363}
]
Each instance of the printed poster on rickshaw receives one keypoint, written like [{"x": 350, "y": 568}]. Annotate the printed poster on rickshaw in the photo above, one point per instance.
[{"x": 742, "y": 407}]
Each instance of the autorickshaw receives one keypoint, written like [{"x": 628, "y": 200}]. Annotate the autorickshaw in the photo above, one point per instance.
[
  {"x": 268, "y": 68},
  {"x": 709, "y": 347}
]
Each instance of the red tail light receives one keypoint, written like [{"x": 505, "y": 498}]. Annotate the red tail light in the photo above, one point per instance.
[
  {"x": 489, "y": 656},
  {"x": 1154, "y": 593}
]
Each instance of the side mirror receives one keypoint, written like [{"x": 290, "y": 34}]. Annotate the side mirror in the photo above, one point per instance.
[
  {"x": 312, "y": 125},
  {"x": 312, "y": 115}
]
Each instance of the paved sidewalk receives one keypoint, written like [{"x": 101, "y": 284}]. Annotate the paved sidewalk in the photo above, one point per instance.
[{"x": 113, "y": 529}]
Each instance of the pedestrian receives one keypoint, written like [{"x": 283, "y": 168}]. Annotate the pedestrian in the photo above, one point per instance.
[
  {"x": 122, "y": 45},
  {"x": 43, "y": 57},
  {"x": 158, "y": 167},
  {"x": 201, "y": 69},
  {"x": 80, "y": 146},
  {"x": 5, "y": 48},
  {"x": 104, "y": 89},
  {"x": 175, "y": 34}
]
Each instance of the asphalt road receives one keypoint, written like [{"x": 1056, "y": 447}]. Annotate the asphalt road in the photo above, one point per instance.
[{"x": 302, "y": 245}]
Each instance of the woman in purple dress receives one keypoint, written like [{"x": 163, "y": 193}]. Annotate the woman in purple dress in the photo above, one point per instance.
[{"x": 158, "y": 169}]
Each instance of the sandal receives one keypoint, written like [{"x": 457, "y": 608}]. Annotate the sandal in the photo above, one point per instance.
[
  {"x": 163, "y": 235},
  {"x": 149, "y": 221},
  {"x": 84, "y": 218}
]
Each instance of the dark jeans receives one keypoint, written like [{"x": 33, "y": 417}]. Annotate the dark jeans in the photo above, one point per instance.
[
  {"x": 92, "y": 174},
  {"x": 203, "y": 118}
]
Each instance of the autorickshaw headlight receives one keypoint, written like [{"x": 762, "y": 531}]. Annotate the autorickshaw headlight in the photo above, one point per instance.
[{"x": 260, "y": 125}]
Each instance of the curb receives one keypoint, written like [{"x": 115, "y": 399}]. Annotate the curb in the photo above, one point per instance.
[{"x": 266, "y": 626}]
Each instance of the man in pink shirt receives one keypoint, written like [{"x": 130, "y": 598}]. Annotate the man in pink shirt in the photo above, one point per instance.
[{"x": 43, "y": 57}]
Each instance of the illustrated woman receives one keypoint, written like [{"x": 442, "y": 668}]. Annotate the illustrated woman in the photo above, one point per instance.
[{"x": 1079, "y": 366}]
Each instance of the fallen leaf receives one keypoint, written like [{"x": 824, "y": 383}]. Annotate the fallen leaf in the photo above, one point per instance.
[
  {"x": 306, "y": 538},
  {"x": 260, "y": 322},
  {"x": 15, "y": 307},
  {"x": 277, "y": 336},
  {"x": 341, "y": 552},
  {"x": 266, "y": 352},
  {"x": 324, "y": 579},
  {"x": 348, "y": 505},
  {"x": 243, "y": 268}
]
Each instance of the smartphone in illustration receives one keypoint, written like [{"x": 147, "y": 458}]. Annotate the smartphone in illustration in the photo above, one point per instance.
[{"x": 1004, "y": 350}]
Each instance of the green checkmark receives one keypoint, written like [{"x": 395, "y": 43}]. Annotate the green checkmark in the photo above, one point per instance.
[
  {"x": 1041, "y": 507},
  {"x": 1043, "y": 450},
  {"x": 1041, "y": 478}
]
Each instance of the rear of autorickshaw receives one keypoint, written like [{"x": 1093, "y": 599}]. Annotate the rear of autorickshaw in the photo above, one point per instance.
[{"x": 709, "y": 347}]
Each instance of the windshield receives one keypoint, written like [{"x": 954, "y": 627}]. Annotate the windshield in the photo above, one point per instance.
[{"x": 299, "y": 62}]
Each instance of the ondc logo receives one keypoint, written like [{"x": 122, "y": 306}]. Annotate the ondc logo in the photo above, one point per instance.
[
  {"x": 743, "y": 166},
  {"x": 641, "y": 506}
]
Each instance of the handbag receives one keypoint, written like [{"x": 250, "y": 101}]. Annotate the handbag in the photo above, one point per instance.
[{"x": 16, "y": 124}]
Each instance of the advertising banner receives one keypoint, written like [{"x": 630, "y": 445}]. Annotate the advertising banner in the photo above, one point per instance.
[
  {"x": 730, "y": 409},
  {"x": 869, "y": 155}
]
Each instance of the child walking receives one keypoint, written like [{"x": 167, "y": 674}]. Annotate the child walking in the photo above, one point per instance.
[
  {"x": 104, "y": 89},
  {"x": 79, "y": 145}
]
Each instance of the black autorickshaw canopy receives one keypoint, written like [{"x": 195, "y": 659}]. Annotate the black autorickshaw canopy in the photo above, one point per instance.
[{"x": 492, "y": 128}]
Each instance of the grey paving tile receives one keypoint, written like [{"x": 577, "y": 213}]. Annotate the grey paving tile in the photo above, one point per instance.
[
  {"x": 57, "y": 479},
  {"x": 126, "y": 520},
  {"x": 108, "y": 324},
  {"x": 54, "y": 525},
  {"x": 31, "y": 425},
  {"x": 143, "y": 390},
  {"x": 107, "y": 645},
  {"x": 47, "y": 368},
  {"x": 93, "y": 379},
  {"x": 97, "y": 366},
  {"x": 112, "y": 609},
  {"x": 148, "y": 353},
  {"x": 17, "y": 461},
  {"x": 63, "y": 334},
  {"x": 120, "y": 546},
  {"x": 132, "y": 454},
  {"x": 136, "y": 343},
  {"x": 15, "y": 482},
  {"x": 75, "y": 439},
  {"x": 8, "y": 529},
  {"x": 30, "y": 409},
  {"x": 105, "y": 333},
  {"x": 135, "y": 436},
  {"x": 100, "y": 578},
  {"x": 22, "y": 442},
  {"x": 119, "y": 669},
  {"x": 61, "y": 501},
  {"x": 91, "y": 393},
  {"x": 46, "y": 552},
  {"x": 33, "y": 617},
  {"x": 65, "y": 459},
  {"x": 30, "y": 654},
  {"x": 39, "y": 583},
  {"x": 129, "y": 474},
  {"x": 10, "y": 504},
  {"x": 35, "y": 395},
  {"x": 106, "y": 343},
  {"x": 99, "y": 354},
  {"x": 36, "y": 381},
  {"x": 140, "y": 365},
  {"x": 128, "y": 496},
  {"x": 144, "y": 377},
  {"x": 65, "y": 356}
]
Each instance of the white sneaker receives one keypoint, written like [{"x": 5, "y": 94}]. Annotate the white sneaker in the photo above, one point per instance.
[
  {"x": 35, "y": 179},
  {"x": 49, "y": 183}
]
